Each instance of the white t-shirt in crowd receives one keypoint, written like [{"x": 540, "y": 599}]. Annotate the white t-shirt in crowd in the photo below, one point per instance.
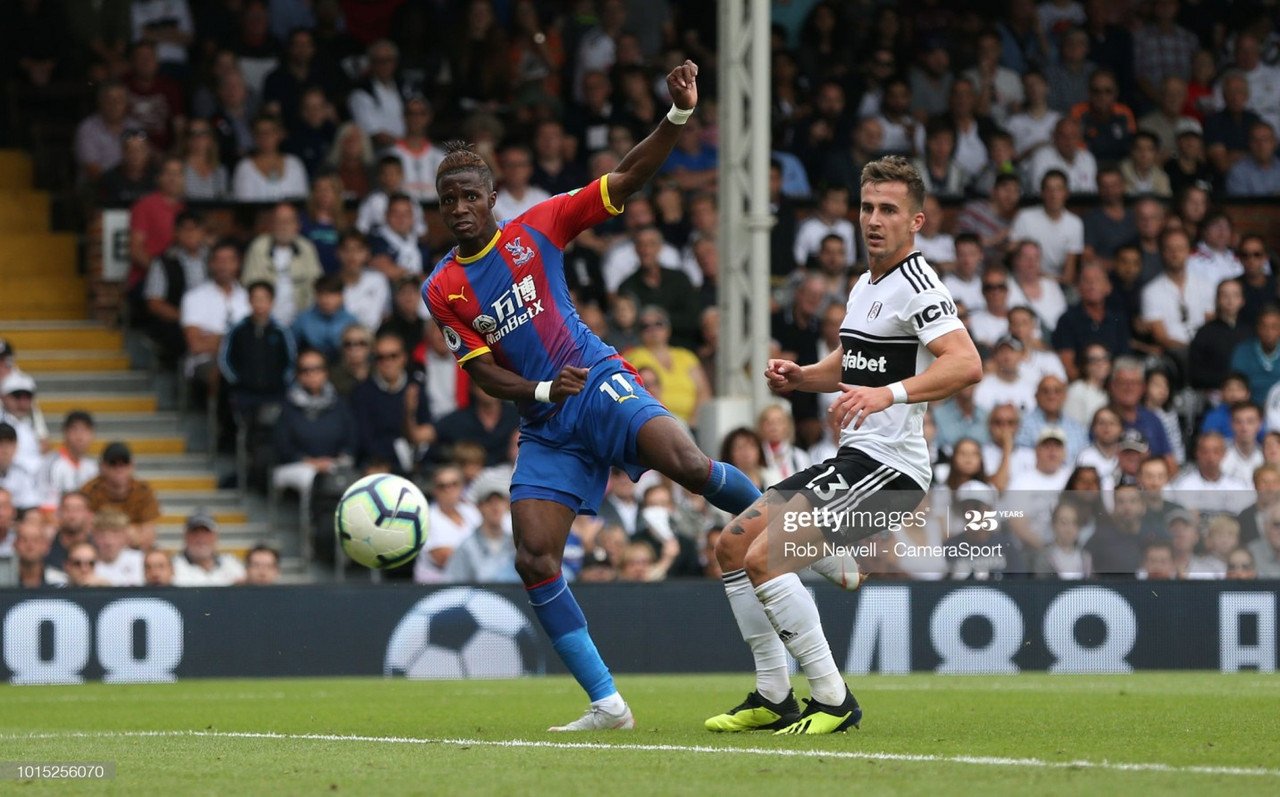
[{"x": 1057, "y": 237}]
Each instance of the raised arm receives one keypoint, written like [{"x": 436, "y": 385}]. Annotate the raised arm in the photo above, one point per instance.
[{"x": 645, "y": 158}]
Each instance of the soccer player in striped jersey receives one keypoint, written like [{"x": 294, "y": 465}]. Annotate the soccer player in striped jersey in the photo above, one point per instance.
[
  {"x": 902, "y": 346},
  {"x": 504, "y": 309}
]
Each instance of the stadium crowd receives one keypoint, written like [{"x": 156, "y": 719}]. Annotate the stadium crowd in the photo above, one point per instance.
[{"x": 1079, "y": 159}]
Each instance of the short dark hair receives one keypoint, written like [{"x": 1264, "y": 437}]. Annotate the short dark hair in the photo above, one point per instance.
[
  {"x": 305, "y": 350},
  {"x": 262, "y": 547},
  {"x": 1148, "y": 136},
  {"x": 397, "y": 197},
  {"x": 352, "y": 235},
  {"x": 77, "y": 416},
  {"x": 8, "y": 434},
  {"x": 1241, "y": 406},
  {"x": 329, "y": 283},
  {"x": 226, "y": 243},
  {"x": 1235, "y": 376},
  {"x": 1006, "y": 177},
  {"x": 391, "y": 160},
  {"x": 1058, "y": 173},
  {"x": 187, "y": 217},
  {"x": 261, "y": 285},
  {"x": 967, "y": 238}
]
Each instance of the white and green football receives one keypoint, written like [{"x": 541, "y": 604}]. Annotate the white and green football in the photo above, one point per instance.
[{"x": 382, "y": 521}]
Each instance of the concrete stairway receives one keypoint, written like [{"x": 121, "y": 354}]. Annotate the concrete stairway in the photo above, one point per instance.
[{"x": 80, "y": 364}]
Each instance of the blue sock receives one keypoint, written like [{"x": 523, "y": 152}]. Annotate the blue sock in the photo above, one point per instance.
[
  {"x": 729, "y": 489},
  {"x": 564, "y": 622}
]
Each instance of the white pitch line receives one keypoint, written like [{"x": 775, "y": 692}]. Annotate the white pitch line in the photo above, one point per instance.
[{"x": 910, "y": 758}]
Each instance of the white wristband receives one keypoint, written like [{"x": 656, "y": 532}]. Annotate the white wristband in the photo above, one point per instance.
[
  {"x": 677, "y": 116},
  {"x": 899, "y": 392},
  {"x": 542, "y": 392}
]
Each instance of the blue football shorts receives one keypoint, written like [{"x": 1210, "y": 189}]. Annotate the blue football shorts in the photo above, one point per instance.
[{"x": 566, "y": 457}]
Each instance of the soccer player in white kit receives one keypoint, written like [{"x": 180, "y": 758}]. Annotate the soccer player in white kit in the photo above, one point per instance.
[{"x": 902, "y": 346}]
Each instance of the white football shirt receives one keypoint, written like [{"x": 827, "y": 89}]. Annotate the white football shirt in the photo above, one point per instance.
[{"x": 887, "y": 326}]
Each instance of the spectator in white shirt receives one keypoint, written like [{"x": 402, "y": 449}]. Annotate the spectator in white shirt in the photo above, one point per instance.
[
  {"x": 1059, "y": 232},
  {"x": 366, "y": 293},
  {"x": 19, "y": 410},
  {"x": 1032, "y": 129},
  {"x": 71, "y": 466},
  {"x": 1176, "y": 304},
  {"x": 1005, "y": 384},
  {"x": 1205, "y": 486},
  {"x": 200, "y": 564},
  {"x": 453, "y": 519},
  {"x": 937, "y": 246},
  {"x": 1001, "y": 457},
  {"x": 1262, "y": 78},
  {"x": 373, "y": 210},
  {"x": 81, "y": 566},
  {"x": 832, "y": 217},
  {"x": 1030, "y": 287},
  {"x": 623, "y": 258},
  {"x": 210, "y": 309},
  {"x": 999, "y": 88},
  {"x": 1244, "y": 455},
  {"x": 990, "y": 324},
  {"x": 965, "y": 279},
  {"x": 377, "y": 103},
  {"x": 118, "y": 564},
  {"x": 1214, "y": 260},
  {"x": 269, "y": 175},
  {"x": 15, "y": 479},
  {"x": 1037, "y": 360},
  {"x": 166, "y": 23},
  {"x": 1035, "y": 491},
  {"x": 419, "y": 154},
  {"x": 516, "y": 194},
  {"x": 1066, "y": 153}
]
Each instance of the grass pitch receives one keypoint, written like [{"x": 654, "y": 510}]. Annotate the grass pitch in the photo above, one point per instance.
[{"x": 1163, "y": 733}]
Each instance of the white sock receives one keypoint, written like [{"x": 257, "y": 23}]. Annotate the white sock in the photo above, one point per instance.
[
  {"x": 614, "y": 704},
  {"x": 794, "y": 616},
  {"x": 773, "y": 682}
]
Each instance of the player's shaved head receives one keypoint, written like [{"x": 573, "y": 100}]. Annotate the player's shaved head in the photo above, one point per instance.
[{"x": 462, "y": 157}]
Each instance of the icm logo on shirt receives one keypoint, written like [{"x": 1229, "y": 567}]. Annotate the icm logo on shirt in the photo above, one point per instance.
[
  {"x": 484, "y": 324},
  {"x": 451, "y": 338},
  {"x": 932, "y": 313},
  {"x": 857, "y": 361},
  {"x": 513, "y": 308}
]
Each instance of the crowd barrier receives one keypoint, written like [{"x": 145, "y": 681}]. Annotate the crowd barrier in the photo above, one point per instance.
[{"x": 158, "y": 635}]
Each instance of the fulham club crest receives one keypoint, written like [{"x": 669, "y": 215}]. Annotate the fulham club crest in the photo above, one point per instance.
[{"x": 875, "y": 311}]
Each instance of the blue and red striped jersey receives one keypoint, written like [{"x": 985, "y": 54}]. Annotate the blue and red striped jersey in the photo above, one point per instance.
[{"x": 511, "y": 298}]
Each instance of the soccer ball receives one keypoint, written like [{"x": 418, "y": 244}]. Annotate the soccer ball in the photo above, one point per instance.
[
  {"x": 463, "y": 632},
  {"x": 381, "y": 521}
]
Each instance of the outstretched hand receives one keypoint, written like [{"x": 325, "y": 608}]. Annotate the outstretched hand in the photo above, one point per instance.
[
  {"x": 569, "y": 382},
  {"x": 682, "y": 83},
  {"x": 783, "y": 376}
]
